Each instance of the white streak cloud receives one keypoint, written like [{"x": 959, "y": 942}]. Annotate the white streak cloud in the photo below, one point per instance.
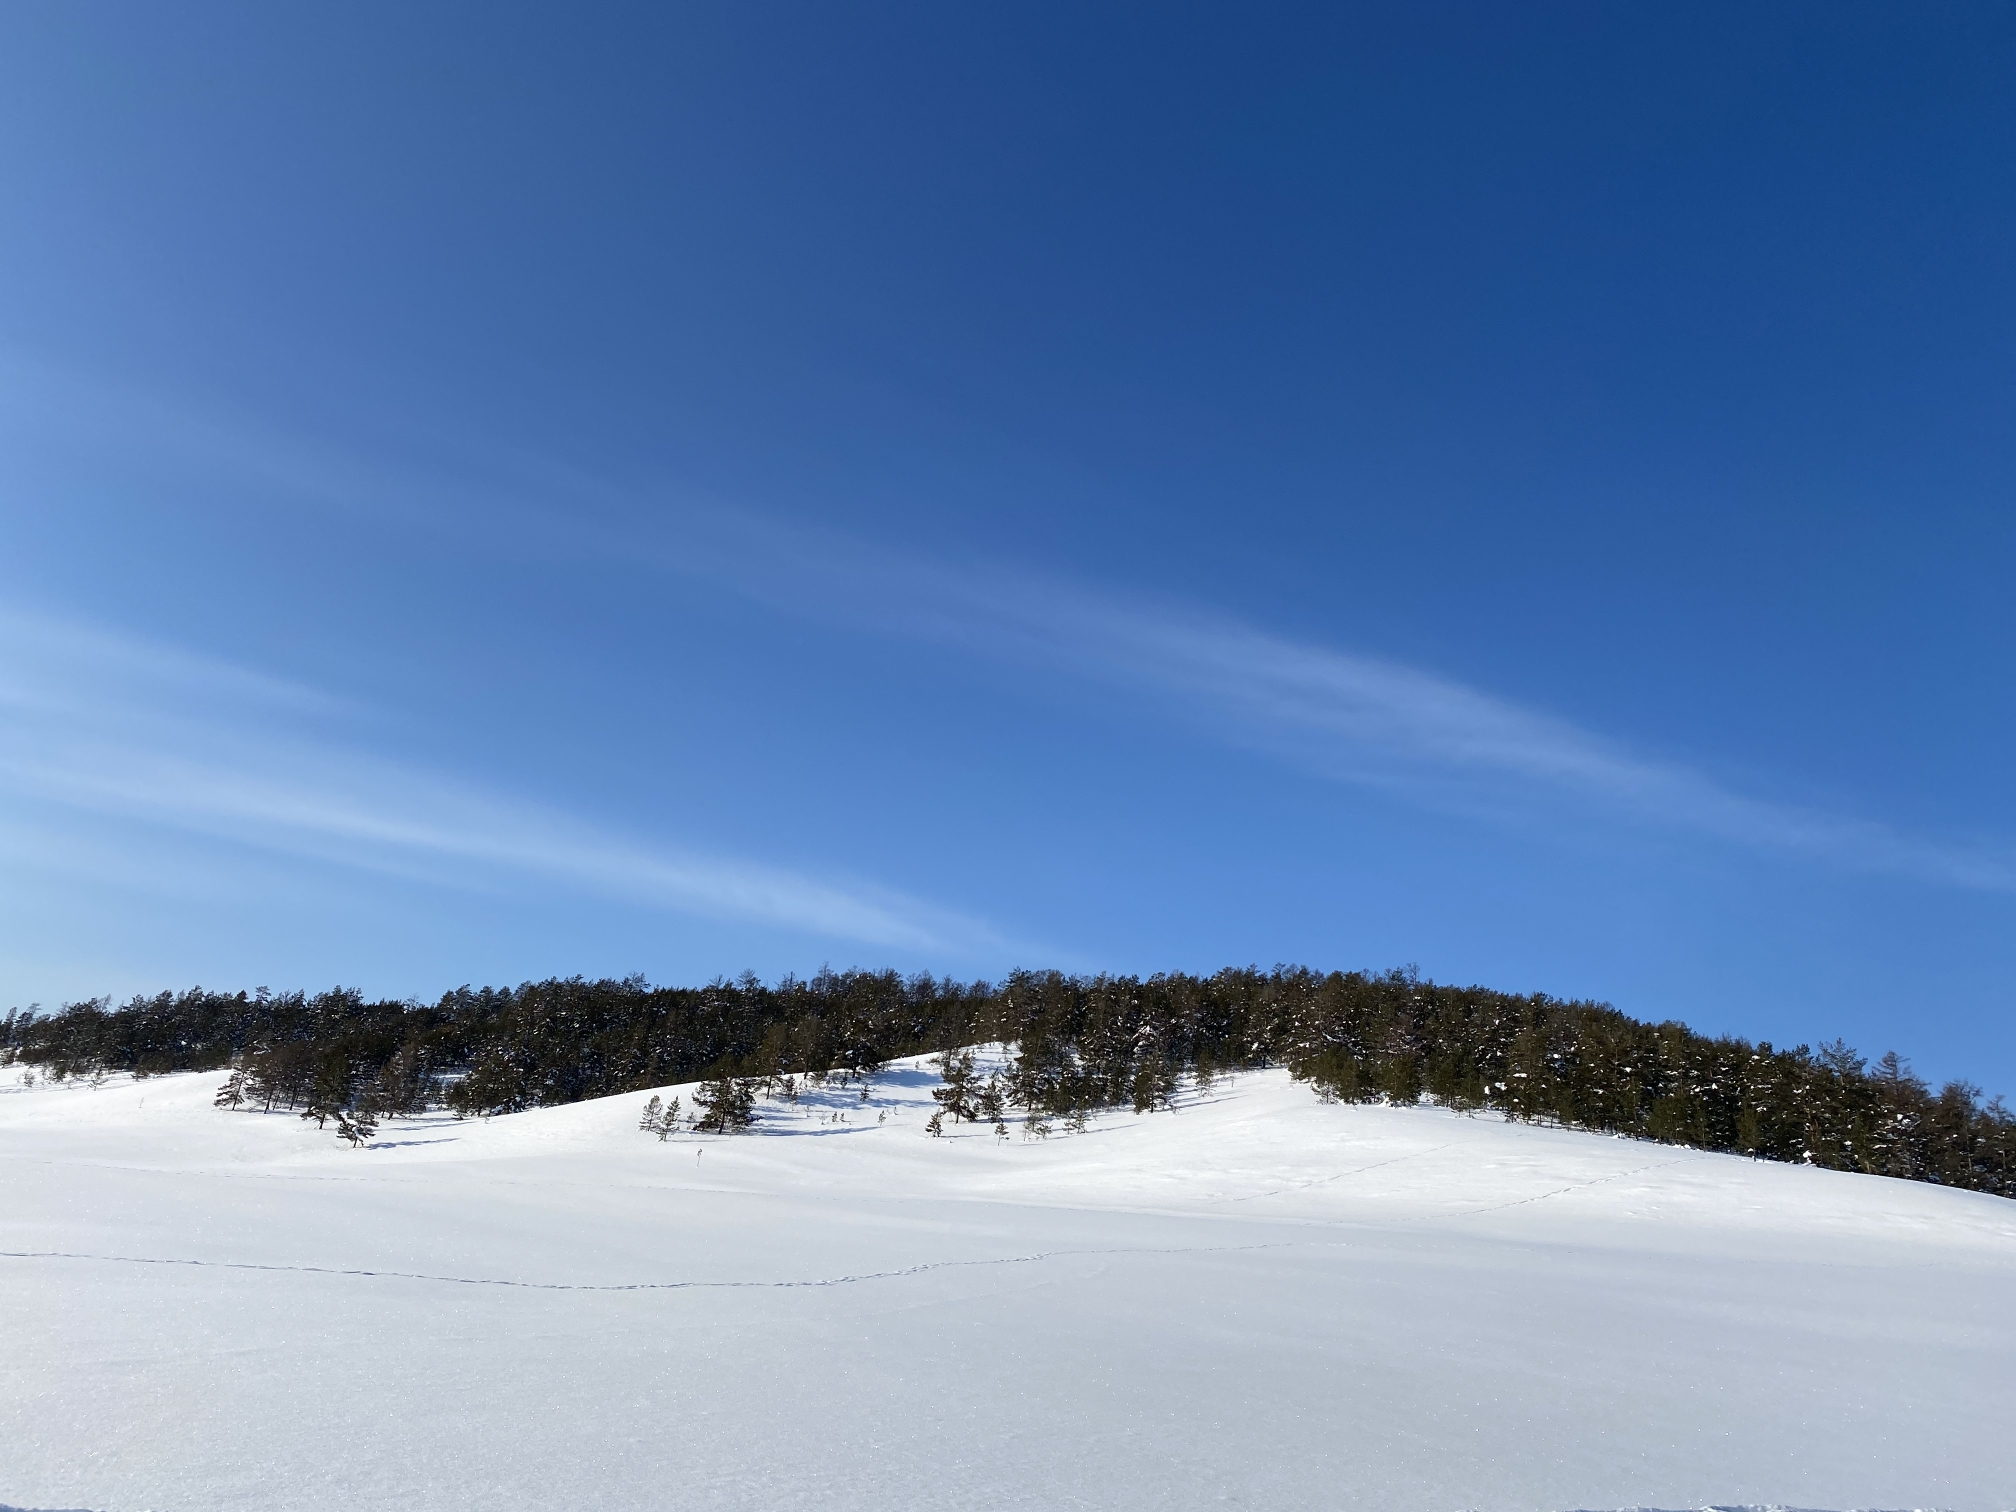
[
  {"x": 1344, "y": 715},
  {"x": 1347, "y": 716},
  {"x": 112, "y": 725}
]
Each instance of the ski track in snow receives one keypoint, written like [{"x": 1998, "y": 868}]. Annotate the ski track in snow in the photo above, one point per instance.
[
  {"x": 1728, "y": 1508},
  {"x": 644, "y": 1286},
  {"x": 849, "y": 1280}
]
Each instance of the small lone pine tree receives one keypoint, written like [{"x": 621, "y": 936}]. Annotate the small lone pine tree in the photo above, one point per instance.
[
  {"x": 991, "y": 1106},
  {"x": 959, "y": 1095},
  {"x": 660, "y": 1118},
  {"x": 727, "y": 1105},
  {"x": 232, "y": 1093},
  {"x": 356, "y": 1125}
]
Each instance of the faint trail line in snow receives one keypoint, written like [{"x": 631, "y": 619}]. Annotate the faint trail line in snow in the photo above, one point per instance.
[
  {"x": 1563, "y": 1191},
  {"x": 1298, "y": 1186},
  {"x": 637, "y": 1286},
  {"x": 249, "y": 1175}
]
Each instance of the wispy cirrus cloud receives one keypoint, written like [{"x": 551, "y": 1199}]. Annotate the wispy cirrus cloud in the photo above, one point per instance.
[
  {"x": 114, "y": 725},
  {"x": 1340, "y": 714},
  {"x": 1343, "y": 714},
  {"x": 1364, "y": 719}
]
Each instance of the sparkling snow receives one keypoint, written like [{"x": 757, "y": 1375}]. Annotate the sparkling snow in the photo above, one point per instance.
[{"x": 1253, "y": 1301}]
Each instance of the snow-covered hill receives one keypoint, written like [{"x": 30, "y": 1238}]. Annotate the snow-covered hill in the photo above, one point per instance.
[{"x": 1253, "y": 1301}]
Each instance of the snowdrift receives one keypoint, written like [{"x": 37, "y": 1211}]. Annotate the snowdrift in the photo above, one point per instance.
[{"x": 1255, "y": 1300}]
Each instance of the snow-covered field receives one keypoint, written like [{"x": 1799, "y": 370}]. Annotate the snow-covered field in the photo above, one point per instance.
[{"x": 1254, "y": 1301}]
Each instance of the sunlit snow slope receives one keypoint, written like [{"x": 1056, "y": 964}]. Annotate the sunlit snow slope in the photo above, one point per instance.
[{"x": 1253, "y": 1301}]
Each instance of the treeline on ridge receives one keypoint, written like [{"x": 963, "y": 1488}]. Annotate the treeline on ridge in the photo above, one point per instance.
[{"x": 1079, "y": 1044}]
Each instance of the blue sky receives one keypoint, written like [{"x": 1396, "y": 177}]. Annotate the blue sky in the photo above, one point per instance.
[{"x": 493, "y": 492}]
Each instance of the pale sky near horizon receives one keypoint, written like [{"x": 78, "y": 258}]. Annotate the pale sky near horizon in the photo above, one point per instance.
[{"x": 491, "y": 492}]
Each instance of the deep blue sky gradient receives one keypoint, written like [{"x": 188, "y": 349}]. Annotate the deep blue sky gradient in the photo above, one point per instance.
[{"x": 951, "y": 458}]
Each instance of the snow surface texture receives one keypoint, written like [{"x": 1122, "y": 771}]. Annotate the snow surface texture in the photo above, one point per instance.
[{"x": 1253, "y": 1301}]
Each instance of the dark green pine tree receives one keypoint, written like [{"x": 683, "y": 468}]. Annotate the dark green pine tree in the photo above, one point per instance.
[
  {"x": 232, "y": 1093},
  {"x": 356, "y": 1125},
  {"x": 727, "y": 1105},
  {"x": 329, "y": 1091},
  {"x": 960, "y": 1095},
  {"x": 1081, "y": 1044}
]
